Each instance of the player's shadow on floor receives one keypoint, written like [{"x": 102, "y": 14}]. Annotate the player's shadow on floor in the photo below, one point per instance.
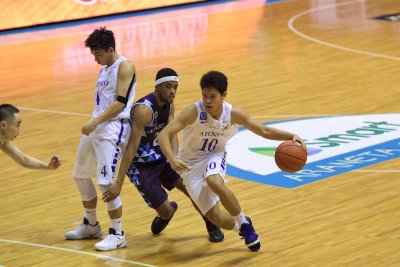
[{"x": 171, "y": 250}]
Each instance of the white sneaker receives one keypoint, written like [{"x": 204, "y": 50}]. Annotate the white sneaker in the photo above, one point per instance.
[
  {"x": 84, "y": 231},
  {"x": 112, "y": 241}
]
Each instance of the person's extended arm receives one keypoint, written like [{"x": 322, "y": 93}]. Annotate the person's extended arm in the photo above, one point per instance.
[
  {"x": 141, "y": 116},
  {"x": 241, "y": 117},
  {"x": 28, "y": 161},
  {"x": 185, "y": 118},
  {"x": 125, "y": 75}
]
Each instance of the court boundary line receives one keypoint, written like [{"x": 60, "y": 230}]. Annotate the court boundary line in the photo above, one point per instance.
[
  {"x": 318, "y": 41},
  {"x": 55, "y": 112},
  {"x": 77, "y": 251}
]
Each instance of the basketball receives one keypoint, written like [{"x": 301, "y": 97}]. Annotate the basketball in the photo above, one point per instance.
[{"x": 290, "y": 156}]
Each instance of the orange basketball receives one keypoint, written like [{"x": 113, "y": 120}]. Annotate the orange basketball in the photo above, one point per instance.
[{"x": 290, "y": 156}]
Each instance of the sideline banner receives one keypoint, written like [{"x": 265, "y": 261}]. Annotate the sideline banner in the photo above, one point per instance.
[{"x": 22, "y": 13}]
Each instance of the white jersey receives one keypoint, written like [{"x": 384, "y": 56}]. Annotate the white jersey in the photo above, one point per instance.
[
  {"x": 106, "y": 90},
  {"x": 206, "y": 135}
]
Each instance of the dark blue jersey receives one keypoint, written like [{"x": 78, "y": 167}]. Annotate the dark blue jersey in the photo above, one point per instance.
[{"x": 149, "y": 150}]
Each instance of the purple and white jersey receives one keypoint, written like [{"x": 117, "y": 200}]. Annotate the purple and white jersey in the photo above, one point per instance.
[
  {"x": 206, "y": 135},
  {"x": 149, "y": 150},
  {"x": 106, "y": 90}
]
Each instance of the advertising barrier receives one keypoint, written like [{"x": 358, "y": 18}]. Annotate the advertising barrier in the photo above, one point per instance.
[{"x": 22, "y": 13}]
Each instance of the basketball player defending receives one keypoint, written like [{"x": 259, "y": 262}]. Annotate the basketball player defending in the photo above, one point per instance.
[
  {"x": 10, "y": 121},
  {"x": 201, "y": 161},
  {"x": 104, "y": 139},
  {"x": 143, "y": 160}
]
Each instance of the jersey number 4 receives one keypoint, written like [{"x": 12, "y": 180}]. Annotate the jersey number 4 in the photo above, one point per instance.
[{"x": 104, "y": 171}]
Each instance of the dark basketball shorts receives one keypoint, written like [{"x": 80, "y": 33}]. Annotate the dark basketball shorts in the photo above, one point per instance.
[{"x": 150, "y": 179}]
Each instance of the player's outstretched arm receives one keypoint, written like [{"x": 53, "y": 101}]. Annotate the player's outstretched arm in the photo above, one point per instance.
[
  {"x": 239, "y": 116},
  {"x": 141, "y": 116},
  {"x": 28, "y": 161}
]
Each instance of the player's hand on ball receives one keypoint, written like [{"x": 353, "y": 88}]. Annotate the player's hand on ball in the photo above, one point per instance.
[{"x": 296, "y": 138}]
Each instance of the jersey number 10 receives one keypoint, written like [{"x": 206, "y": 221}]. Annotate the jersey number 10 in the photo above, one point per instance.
[{"x": 209, "y": 145}]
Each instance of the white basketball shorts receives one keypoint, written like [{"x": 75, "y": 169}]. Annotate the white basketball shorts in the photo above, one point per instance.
[
  {"x": 195, "y": 180},
  {"x": 98, "y": 154}
]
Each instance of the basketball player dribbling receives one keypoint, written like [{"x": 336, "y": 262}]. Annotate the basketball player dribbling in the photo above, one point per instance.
[
  {"x": 103, "y": 139},
  {"x": 201, "y": 161}
]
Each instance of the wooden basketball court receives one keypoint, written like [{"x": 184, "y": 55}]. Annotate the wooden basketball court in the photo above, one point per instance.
[{"x": 284, "y": 60}]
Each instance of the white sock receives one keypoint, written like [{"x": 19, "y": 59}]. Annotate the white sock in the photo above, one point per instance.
[
  {"x": 240, "y": 218},
  {"x": 116, "y": 224},
  {"x": 236, "y": 228},
  {"x": 90, "y": 215}
]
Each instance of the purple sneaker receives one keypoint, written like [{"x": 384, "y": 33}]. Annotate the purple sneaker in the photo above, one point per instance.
[{"x": 250, "y": 236}]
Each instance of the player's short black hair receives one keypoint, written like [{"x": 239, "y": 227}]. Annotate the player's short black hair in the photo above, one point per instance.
[
  {"x": 215, "y": 79},
  {"x": 165, "y": 72},
  {"x": 101, "y": 38},
  {"x": 7, "y": 112}
]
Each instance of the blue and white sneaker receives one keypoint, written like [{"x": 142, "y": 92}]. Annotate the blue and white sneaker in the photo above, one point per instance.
[{"x": 250, "y": 236}]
